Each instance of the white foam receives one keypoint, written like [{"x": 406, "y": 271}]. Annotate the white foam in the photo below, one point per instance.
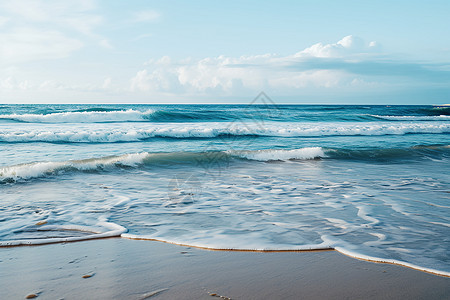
[
  {"x": 414, "y": 118},
  {"x": 113, "y": 132},
  {"x": 268, "y": 155},
  {"x": 31, "y": 170},
  {"x": 114, "y": 231},
  {"x": 390, "y": 261},
  {"x": 224, "y": 242},
  {"x": 327, "y": 244},
  {"x": 364, "y": 214},
  {"x": 39, "y": 169},
  {"x": 81, "y": 117}
]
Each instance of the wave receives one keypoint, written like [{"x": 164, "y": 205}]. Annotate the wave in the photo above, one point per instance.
[
  {"x": 113, "y": 134},
  {"x": 413, "y": 118},
  {"x": 23, "y": 172},
  {"x": 113, "y": 230},
  {"x": 390, "y": 261},
  {"x": 391, "y": 154},
  {"x": 439, "y": 109},
  {"x": 40, "y": 169},
  {"x": 98, "y": 109},
  {"x": 84, "y": 116},
  {"x": 110, "y": 115},
  {"x": 20, "y": 172},
  {"x": 376, "y": 154},
  {"x": 192, "y": 116},
  {"x": 274, "y": 155}
]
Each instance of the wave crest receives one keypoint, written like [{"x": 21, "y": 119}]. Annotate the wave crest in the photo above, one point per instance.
[
  {"x": 40, "y": 169},
  {"x": 413, "y": 118},
  {"x": 272, "y": 155},
  {"x": 10, "y": 174},
  {"x": 20, "y": 172},
  {"x": 112, "y": 133},
  {"x": 82, "y": 117}
]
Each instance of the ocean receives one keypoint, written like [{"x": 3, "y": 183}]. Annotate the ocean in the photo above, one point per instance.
[{"x": 372, "y": 182}]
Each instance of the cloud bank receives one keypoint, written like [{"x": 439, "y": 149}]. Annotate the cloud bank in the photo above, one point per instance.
[{"x": 349, "y": 65}]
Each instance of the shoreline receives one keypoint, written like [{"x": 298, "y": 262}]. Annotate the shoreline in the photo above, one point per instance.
[
  {"x": 121, "y": 268},
  {"x": 108, "y": 235},
  {"x": 337, "y": 249}
]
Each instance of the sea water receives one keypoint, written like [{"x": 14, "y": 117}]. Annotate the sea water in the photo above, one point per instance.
[{"x": 369, "y": 181}]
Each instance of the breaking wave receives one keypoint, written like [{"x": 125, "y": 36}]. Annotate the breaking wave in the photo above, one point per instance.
[
  {"x": 413, "y": 118},
  {"x": 273, "y": 155},
  {"x": 15, "y": 173},
  {"x": 133, "y": 133},
  {"x": 86, "y": 116},
  {"x": 40, "y": 169}
]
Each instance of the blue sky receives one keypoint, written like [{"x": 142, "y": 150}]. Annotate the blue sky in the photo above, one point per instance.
[{"x": 380, "y": 52}]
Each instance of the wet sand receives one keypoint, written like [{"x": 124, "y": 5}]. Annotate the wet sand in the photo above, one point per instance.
[{"x": 118, "y": 268}]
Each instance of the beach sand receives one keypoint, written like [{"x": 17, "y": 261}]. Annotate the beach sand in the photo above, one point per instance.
[{"x": 118, "y": 268}]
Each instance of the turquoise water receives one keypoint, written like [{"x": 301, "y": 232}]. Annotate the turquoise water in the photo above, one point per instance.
[{"x": 370, "y": 181}]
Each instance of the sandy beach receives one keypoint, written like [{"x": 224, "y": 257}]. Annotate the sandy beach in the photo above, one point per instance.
[
  {"x": 224, "y": 150},
  {"x": 118, "y": 268}
]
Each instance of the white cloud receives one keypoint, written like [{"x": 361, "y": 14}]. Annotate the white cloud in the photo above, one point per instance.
[
  {"x": 37, "y": 29},
  {"x": 142, "y": 36},
  {"x": 26, "y": 44},
  {"x": 312, "y": 78},
  {"x": 3, "y": 20},
  {"x": 75, "y": 15},
  {"x": 10, "y": 83},
  {"x": 50, "y": 85},
  {"x": 346, "y": 46},
  {"x": 229, "y": 75},
  {"x": 146, "y": 16},
  {"x": 84, "y": 24},
  {"x": 106, "y": 83},
  {"x": 14, "y": 84},
  {"x": 347, "y": 67},
  {"x": 105, "y": 44},
  {"x": 7, "y": 84},
  {"x": 27, "y": 9}
]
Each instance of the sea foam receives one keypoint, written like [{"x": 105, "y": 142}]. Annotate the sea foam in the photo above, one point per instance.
[
  {"x": 160, "y": 159},
  {"x": 110, "y": 133},
  {"x": 82, "y": 117},
  {"x": 39, "y": 169},
  {"x": 113, "y": 230},
  {"x": 268, "y": 155},
  {"x": 413, "y": 118}
]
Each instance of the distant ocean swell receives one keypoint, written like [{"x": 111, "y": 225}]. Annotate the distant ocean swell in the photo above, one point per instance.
[
  {"x": 104, "y": 115},
  {"x": 11, "y": 174},
  {"x": 108, "y": 133}
]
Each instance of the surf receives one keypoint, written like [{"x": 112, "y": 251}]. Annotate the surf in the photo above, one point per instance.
[
  {"x": 138, "y": 132},
  {"x": 32, "y": 170},
  {"x": 86, "y": 116}
]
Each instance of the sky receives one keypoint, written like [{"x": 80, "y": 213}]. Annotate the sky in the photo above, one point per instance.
[{"x": 297, "y": 52}]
